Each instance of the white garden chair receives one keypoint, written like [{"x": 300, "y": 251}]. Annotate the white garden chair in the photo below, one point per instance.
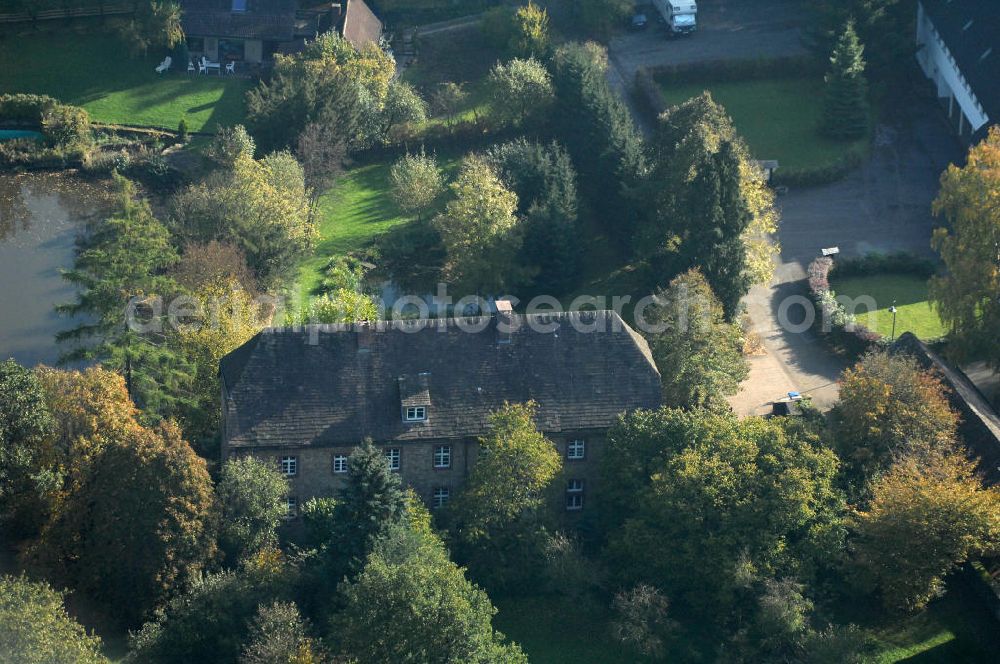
[
  {"x": 190, "y": 67},
  {"x": 165, "y": 65},
  {"x": 231, "y": 67}
]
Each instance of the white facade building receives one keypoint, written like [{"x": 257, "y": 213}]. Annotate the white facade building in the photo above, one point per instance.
[{"x": 955, "y": 40}]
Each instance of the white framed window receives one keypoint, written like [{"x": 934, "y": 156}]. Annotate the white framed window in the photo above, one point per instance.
[
  {"x": 289, "y": 466},
  {"x": 392, "y": 457},
  {"x": 442, "y": 456},
  {"x": 441, "y": 496},
  {"x": 291, "y": 507},
  {"x": 576, "y": 450},
  {"x": 340, "y": 463},
  {"x": 574, "y": 495},
  {"x": 415, "y": 413}
]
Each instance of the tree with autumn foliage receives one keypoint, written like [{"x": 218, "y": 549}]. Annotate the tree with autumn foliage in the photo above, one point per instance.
[
  {"x": 480, "y": 228},
  {"x": 140, "y": 520},
  {"x": 888, "y": 405},
  {"x": 498, "y": 516},
  {"x": 25, "y": 426},
  {"x": 929, "y": 514},
  {"x": 224, "y": 317},
  {"x": 967, "y": 296}
]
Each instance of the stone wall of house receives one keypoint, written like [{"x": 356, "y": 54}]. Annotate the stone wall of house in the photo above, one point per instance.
[{"x": 315, "y": 476}]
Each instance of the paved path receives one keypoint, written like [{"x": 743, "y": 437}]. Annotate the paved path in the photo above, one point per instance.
[{"x": 884, "y": 206}]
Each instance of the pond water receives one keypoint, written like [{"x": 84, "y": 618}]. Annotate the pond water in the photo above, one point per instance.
[
  {"x": 41, "y": 215},
  {"x": 10, "y": 134}
]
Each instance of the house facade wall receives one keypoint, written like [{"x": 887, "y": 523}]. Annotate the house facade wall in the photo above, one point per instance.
[
  {"x": 315, "y": 476},
  {"x": 938, "y": 65}
]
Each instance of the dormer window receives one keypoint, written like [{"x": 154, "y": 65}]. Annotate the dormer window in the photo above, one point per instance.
[
  {"x": 239, "y": 5},
  {"x": 415, "y": 413}
]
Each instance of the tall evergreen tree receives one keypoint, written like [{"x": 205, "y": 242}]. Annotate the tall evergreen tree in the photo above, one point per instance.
[
  {"x": 596, "y": 126},
  {"x": 845, "y": 111},
  {"x": 372, "y": 500},
  {"x": 122, "y": 268},
  {"x": 544, "y": 180}
]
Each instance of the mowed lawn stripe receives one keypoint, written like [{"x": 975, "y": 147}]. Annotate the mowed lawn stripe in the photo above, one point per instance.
[
  {"x": 95, "y": 72},
  {"x": 778, "y": 118}
]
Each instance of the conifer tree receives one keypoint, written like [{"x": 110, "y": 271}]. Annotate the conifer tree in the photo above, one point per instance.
[
  {"x": 371, "y": 501},
  {"x": 845, "y": 114}
]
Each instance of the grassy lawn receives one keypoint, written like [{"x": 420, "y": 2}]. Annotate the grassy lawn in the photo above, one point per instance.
[
  {"x": 353, "y": 213},
  {"x": 95, "y": 72},
  {"x": 955, "y": 628},
  {"x": 777, "y": 117},
  {"x": 914, "y": 312},
  {"x": 552, "y": 630}
]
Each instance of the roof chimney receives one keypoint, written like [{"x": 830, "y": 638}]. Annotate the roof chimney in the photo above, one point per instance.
[
  {"x": 505, "y": 321},
  {"x": 364, "y": 334}
]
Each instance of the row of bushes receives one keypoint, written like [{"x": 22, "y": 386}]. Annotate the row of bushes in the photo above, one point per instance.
[
  {"x": 813, "y": 177},
  {"x": 721, "y": 71},
  {"x": 900, "y": 262},
  {"x": 25, "y": 109},
  {"x": 832, "y": 322}
]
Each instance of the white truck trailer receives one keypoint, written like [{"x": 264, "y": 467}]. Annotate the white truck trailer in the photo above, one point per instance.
[{"x": 681, "y": 16}]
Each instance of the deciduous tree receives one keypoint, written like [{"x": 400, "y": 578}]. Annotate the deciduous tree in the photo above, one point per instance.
[
  {"x": 35, "y": 628},
  {"x": 480, "y": 229},
  {"x": 410, "y": 603},
  {"x": 262, "y": 206},
  {"x": 142, "y": 518},
  {"x": 967, "y": 296},
  {"x": 499, "y": 518},
  {"x": 416, "y": 182},
  {"x": 25, "y": 426},
  {"x": 252, "y": 501},
  {"x": 698, "y": 353},
  {"x": 280, "y": 635},
  {"x": 888, "y": 404},
  {"x": 928, "y": 514},
  {"x": 521, "y": 89},
  {"x": 736, "y": 499},
  {"x": 531, "y": 31}
]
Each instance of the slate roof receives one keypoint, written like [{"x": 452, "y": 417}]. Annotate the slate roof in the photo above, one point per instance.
[
  {"x": 281, "y": 390},
  {"x": 971, "y": 30},
  {"x": 268, "y": 20},
  {"x": 979, "y": 426},
  {"x": 360, "y": 26}
]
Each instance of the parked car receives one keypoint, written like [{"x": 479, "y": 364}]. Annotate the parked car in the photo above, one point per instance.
[{"x": 638, "y": 22}]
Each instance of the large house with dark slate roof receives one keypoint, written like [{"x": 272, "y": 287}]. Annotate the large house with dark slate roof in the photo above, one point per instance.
[{"x": 424, "y": 391}]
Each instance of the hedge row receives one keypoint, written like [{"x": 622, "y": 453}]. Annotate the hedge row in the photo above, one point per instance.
[
  {"x": 25, "y": 109},
  {"x": 900, "y": 262},
  {"x": 832, "y": 322},
  {"x": 812, "y": 177},
  {"x": 720, "y": 71}
]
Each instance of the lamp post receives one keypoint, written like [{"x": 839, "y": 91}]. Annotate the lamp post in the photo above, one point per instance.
[{"x": 892, "y": 337}]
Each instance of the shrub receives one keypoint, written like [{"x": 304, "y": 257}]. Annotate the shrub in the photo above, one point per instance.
[
  {"x": 25, "y": 108},
  {"x": 182, "y": 130},
  {"x": 832, "y": 320},
  {"x": 65, "y": 125}
]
